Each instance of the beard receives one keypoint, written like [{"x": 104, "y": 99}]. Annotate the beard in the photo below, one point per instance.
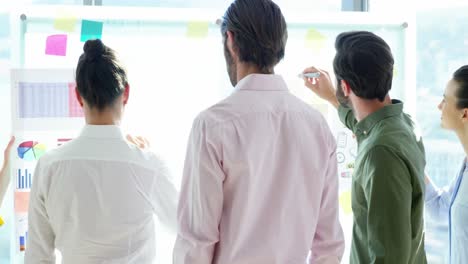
[
  {"x": 230, "y": 65},
  {"x": 342, "y": 99}
]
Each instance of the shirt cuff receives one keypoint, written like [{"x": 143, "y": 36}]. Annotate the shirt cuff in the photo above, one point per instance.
[{"x": 431, "y": 191}]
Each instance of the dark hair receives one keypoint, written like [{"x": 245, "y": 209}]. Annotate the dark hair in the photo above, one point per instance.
[
  {"x": 260, "y": 32},
  {"x": 364, "y": 60},
  {"x": 461, "y": 77},
  {"x": 100, "y": 78}
]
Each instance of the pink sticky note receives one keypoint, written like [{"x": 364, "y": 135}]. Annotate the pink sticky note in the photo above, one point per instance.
[
  {"x": 56, "y": 45},
  {"x": 21, "y": 202}
]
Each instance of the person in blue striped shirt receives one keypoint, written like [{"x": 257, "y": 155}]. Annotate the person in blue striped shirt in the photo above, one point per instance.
[{"x": 451, "y": 203}]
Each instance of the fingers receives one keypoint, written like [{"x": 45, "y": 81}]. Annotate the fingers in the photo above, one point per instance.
[
  {"x": 140, "y": 142},
  {"x": 131, "y": 139},
  {"x": 6, "y": 153}
]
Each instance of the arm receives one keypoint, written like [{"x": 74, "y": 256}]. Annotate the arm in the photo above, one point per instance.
[
  {"x": 347, "y": 117},
  {"x": 165, "y": 197},
  {"x": 41, "y": 237},
  {"x": 388, "y": 193},
  {"x": 323, "y": 88},
  {"x": 201, "y": 200},
  {"x": 328, "y": 245},
  {"x": 437, "y": 201},
  {"x": 4, "y": 172}
]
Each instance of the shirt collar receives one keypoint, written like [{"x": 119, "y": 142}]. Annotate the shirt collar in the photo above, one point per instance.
[
  {"x": 262, "y": 82},
  {"x": 365, "y": 126},
  {"x": 104, "y": 131}
]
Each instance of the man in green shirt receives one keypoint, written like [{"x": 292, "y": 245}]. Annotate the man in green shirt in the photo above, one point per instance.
[{"x": 388, "y": 180}]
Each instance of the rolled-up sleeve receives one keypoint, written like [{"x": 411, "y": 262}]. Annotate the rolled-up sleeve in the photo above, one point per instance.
[{"x": 201, "y": 199}]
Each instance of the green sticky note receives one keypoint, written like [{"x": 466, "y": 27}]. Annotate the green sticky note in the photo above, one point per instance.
[
  {"x": 197, "y": 29},
  {"x": 315, "y": 40},
  {"x": 65, "y": 23},
  {"x": 91, "y": 30}
]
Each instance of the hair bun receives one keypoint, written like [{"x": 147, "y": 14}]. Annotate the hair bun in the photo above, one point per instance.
[{"x": 94, "y": 49}]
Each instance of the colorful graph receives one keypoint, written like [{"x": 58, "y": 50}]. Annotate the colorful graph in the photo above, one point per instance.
[
  {"x": 31, "y": 150},
  {"x": 21, "y": 231},
  {"x": 22, "y": 242},
  {"x": 23, "y": 179}
]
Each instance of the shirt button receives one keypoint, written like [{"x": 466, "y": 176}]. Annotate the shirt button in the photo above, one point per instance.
[{"x": 365, "y": 132}]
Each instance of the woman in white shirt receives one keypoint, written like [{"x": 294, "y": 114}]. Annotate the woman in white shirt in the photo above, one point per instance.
[{"x": 94, "y": 198}]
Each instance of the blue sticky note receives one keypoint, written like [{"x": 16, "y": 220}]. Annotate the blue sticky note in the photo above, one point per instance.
[
  {"x": 91, "y": 30},
  {"x": 5, "y": 25}
]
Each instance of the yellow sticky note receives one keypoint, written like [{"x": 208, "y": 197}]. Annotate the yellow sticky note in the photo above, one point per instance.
[
  {"x": 65, "y": 22},
  {"x": 345, "y": 202},
  {"x": 315, "y": 40},
  {"x": 197, "y": 29},
  {"x": 322, "y": 108}
]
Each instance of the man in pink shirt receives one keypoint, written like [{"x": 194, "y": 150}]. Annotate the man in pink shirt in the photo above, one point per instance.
[{"x": 260, "y": 183}]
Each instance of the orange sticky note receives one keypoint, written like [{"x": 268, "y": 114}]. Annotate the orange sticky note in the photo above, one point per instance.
[{"x": 21, "y": 202}]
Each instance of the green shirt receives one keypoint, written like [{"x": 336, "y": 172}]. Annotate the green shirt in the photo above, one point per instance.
[{"x": 387, "y": 188}]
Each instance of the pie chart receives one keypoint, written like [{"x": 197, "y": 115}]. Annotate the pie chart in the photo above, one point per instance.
[{"x": 31, "y": 150}]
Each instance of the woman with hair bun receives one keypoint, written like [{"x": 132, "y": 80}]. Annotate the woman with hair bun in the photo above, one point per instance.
[{"x": 94, "y": 198}]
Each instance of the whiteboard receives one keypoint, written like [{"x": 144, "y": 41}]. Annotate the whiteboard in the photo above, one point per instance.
[{"x": 176, "y": 67}]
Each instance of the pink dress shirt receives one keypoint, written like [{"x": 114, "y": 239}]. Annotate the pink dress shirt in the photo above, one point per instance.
[{"x": 260, "y": 183}]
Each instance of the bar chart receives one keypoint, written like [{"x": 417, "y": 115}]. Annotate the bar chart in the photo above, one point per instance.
[{"x": 23, "y": 179}]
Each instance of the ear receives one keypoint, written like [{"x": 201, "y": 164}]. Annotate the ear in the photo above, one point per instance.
[
  {"x": 465, "y": 115},
  {"x": 78, "y": 97},
  {"x": 230, "y": 43},
  {"x": 126, "y": 94},
  {"x": 346, "y": 88}
]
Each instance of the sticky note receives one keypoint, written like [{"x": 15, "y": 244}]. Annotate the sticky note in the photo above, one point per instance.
[
  {"x": 56, "y": 45},
  {"x": 345, "y": 202},
  {"x": 315, "y": 40},
  {"x": 395, "y": 72},
  {"x": 91, "y": 30},
  {"x": 65, "y": 23},
  {"x": 21, "y": 202},
  {"x": 197, "y": 29},
  {"x": 4, "y": 25}
]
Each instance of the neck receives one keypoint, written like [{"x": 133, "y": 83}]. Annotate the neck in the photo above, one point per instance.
[
  {"x": 463, "y": 137},
  {"x": 244, "y": 70},
  {"x": 102, "y": 118},
  {"x": 365, "y": 107}
]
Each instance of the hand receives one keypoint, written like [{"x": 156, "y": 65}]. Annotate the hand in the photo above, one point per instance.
[
  {"x": 321, "y": 86},
  {"x": 139, "y": 141}
]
